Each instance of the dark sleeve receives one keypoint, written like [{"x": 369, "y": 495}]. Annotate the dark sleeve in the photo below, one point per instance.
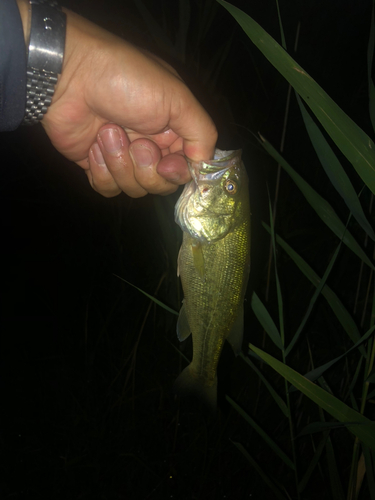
[{"x": 12, "y": 66}]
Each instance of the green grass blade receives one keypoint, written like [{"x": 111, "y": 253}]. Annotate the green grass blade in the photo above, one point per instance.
[
  {"x": 322, "y": 427},
  {"x": 183, "y": 27},
  {"x": 334, "y": 477},
  {"x": 213, "y": 69},
  {"x": 283, "y": 41},
  {"x": 188, "y": 361},
  {"x": 370, "y": 58},
  {"x": 318, "y": 372},
  {"x": 334, "y": 302},
  {"x": 156, "y": 31},
  {"x": 336, "y": 486},
  {"x": 364, "y": 428},
  {"x": 320, "y": 205},
  {"x": 354, "y": 143},
  {"x": 265, "y": 320},
  {"x": 260, "y": 471},
  {"x": 278, "y": 451},
  {"x": 372, "y": 103},
  {"x": 354, "y": 379},
  {"x": 158, "y": 302},
  {"x": 278, "y": 400},
  {"x": 371, "y": 377},
  {"x": 313, "y": 300},
  {"x": 369, "y": 471},
  {"x": 278, "y": 287},
  {"x": 334, "y": 170},
  {"x": 206, "y": 17},
  {"x": 314, "y": 462}
]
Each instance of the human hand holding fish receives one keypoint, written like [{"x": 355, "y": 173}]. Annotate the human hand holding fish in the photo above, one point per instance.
[
  {"x": 122, "y": 114},
  {"x": 126, "y": 117}
]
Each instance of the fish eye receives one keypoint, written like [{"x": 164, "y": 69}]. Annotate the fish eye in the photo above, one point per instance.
[{"x": 230, "y": 186}]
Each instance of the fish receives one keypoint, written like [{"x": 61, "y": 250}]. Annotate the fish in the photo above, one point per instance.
[{"x": 213, "y": 212}]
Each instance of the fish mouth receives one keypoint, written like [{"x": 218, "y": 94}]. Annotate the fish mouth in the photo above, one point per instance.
[
  {"x": 222, "y": 160},
  {"x": 190, "y": 209}
]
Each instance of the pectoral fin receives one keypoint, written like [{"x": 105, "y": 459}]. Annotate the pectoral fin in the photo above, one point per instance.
[
  {"x": 183, "y": 328},
  {"x": 236, "y": 334},
  {"x": 198, "y": 258}
]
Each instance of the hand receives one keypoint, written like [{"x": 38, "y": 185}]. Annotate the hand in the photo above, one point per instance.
[{"x": 124, "y": 115}]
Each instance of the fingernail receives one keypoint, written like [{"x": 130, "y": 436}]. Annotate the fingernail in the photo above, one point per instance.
[
  {"x": 97, "y": 154},
  {"x": 111, "y": 140},
  {"x": 141, "y": 156}
]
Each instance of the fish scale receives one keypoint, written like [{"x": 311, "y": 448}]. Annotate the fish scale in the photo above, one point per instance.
[{"x": 214, "y": 264}]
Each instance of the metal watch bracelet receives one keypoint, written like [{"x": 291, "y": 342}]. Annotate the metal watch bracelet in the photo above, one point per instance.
[{"x": 44, "y": 58}]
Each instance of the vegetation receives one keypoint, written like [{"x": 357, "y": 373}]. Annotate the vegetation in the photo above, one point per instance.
[{"x": 91, "y": 361}]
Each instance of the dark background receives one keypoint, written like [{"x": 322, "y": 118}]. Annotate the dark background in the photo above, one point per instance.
[{"x": 87, "y": 361}]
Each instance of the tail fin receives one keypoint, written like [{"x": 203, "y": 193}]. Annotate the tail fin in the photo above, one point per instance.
[{"x": 188, "y": 384}]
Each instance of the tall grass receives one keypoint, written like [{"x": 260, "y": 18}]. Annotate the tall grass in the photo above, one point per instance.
[{"x": 335, "y": 411}]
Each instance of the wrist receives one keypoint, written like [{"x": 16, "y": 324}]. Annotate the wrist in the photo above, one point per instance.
[{"x": 44, "y": 28}]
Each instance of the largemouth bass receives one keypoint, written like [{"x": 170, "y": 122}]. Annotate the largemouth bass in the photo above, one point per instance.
[{"x": 214, "y": 264}]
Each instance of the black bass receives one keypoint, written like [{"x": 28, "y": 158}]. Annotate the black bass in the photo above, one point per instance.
[{"x": 214, "y": 264}]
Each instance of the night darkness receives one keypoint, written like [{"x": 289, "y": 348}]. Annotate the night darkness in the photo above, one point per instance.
[{"x": 88, "y": 362}]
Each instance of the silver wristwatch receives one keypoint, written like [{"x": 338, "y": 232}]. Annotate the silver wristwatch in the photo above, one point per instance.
[{"x": 44, "y": 58}]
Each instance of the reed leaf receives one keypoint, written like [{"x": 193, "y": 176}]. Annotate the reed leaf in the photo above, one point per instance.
[
  {"x": 183, "y": 27},
  {"x": 334, "y": 477},
  {"x": 315, "y": 427},
  {"x": 318, "y": 372},
  {"x": 260, "y": 471},
  {"x": 353, "y": 142},
  {"x": 363, "y": 429},
  {"x": 320, "y": 205},
  {"x": 370, "y": 58},
  {"x": 369, "y": 470},
  {"x": 313, "y": 300},
  {"x": 278, "y": 287},
  {"x": 278, "y": 399},
  {"x": 265, "y": 320},
  {"x": 279, "y": 452},
  {"x": 334, "y": 302},
  {"x": 334, "y": 170},
  {"x": 354, "y": 379},
  {"x": 371, "y": 377},
  {"x": 313, "y": 463},
  {"x": 158, "y": 34},
  {"x": 158, "y": 302}
]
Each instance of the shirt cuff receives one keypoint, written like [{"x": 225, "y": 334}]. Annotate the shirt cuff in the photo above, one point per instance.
[{"x": 12, "y": 66}]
